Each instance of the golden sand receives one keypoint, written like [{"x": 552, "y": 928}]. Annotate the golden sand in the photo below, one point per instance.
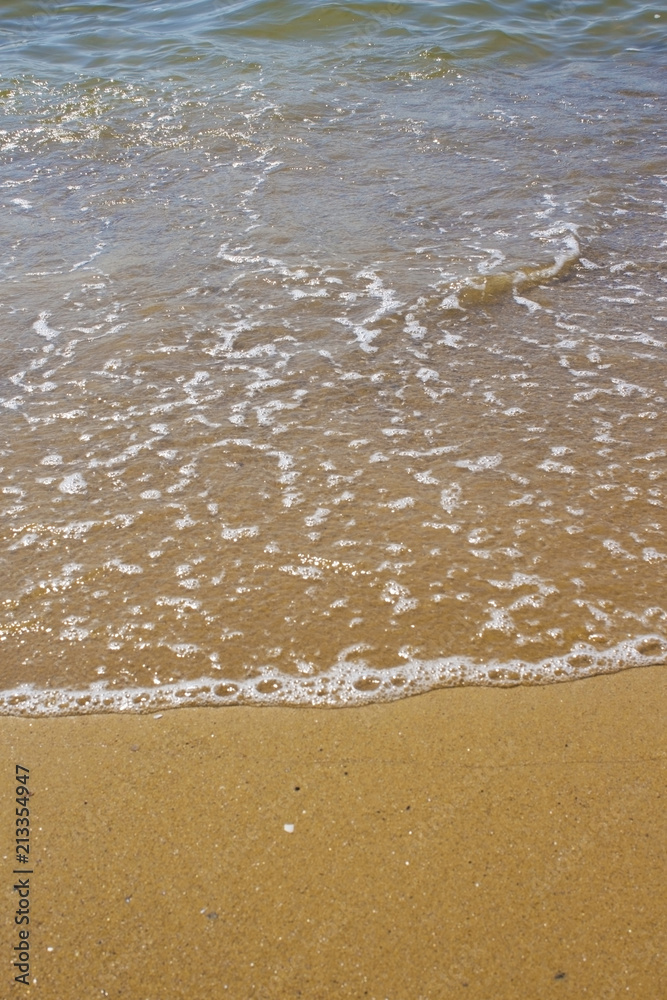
[{"x": 472, "y": 843}]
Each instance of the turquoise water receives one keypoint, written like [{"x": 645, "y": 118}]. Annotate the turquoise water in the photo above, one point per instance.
[{"x": 333, "y": 349}]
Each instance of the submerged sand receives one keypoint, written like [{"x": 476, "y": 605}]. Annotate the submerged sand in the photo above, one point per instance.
[{"x": 472, "y": 842}]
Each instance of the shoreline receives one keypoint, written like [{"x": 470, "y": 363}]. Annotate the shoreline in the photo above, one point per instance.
[
  {"x": 363, "y": 686},
  {"x": 469, "y": 841}
]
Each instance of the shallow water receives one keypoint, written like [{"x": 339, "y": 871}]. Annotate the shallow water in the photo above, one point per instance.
[{"x": 333, "y": 349}]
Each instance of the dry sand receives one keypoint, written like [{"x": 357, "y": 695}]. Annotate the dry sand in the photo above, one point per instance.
[{"x": 474, "y": 843}]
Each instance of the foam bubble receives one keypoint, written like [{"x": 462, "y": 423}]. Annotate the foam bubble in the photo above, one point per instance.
[
  {"x": 42, "y": 328},
  {"x": 235, "y": 534},
  {"x": 481, "y": 463},
  {"x": 73, "y": 484}
]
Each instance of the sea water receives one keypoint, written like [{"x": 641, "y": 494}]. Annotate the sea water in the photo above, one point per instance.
[{"x": 332, "y": 358}]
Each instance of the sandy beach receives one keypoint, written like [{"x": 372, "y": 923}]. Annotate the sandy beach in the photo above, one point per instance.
[{"x": 465, "y": 843}]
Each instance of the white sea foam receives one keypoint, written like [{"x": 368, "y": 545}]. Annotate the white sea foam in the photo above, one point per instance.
[
  {"x": 481, "y": 463},
  {"x": 348, "y": 682},
  {"x": 235, "y": 534},
  {"x": 73, "y": 484},
  {"x": 42, "y": 328}
]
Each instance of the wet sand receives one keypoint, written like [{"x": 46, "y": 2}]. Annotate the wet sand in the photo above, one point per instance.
[{"x": 468, "y": 843}]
